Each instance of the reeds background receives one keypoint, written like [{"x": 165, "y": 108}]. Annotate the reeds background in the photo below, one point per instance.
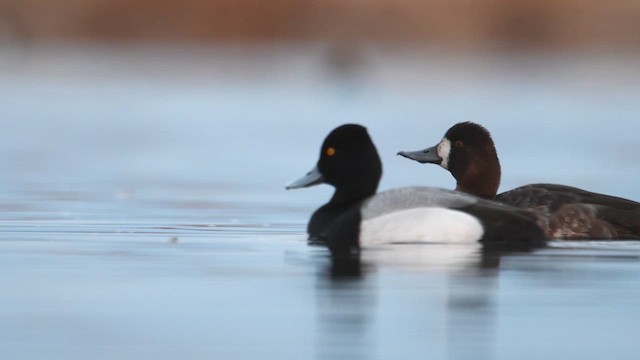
[{"x": 465, "y": 24}]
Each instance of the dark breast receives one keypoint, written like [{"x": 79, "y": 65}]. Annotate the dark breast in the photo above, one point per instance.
[{"x": 570, "y": 213}]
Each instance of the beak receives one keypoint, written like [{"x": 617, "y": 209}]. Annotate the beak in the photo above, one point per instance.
[
  {"x": 313, "y": 177},
  {"x": 428, "y": 155}
]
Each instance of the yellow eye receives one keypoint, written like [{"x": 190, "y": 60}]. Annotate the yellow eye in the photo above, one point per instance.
[
  {"x": 458, "y": 144},
  {"x": 331, "y": 151}
]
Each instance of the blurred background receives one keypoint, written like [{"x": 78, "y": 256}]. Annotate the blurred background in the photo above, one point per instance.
[
  {"x": 148, "y": 90},
  {"x": 464, "y": 24},
  {"x": 145, "y": 145}
]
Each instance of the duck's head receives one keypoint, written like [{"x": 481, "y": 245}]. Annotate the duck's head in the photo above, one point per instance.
[
  {"x": 468, "y": 152},
  {"x": 348, "y": 161}
]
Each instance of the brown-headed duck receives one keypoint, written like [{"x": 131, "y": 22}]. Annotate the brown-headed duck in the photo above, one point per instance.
[{"x": 468, "y": 152}]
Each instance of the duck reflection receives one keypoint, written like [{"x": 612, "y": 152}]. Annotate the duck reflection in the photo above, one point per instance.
[
  {"x": 346, "y": 306},
  {"x": 352, "y": 262},
  {"x": 446, "y": 294}
]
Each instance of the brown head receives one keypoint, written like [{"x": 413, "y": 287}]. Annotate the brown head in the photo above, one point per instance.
[{"x": 468, "y": 152}]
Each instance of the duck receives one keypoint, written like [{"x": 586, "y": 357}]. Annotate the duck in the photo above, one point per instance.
[
  {"x": 468, "y": 152},
  {"x": 358, "y": 216}
]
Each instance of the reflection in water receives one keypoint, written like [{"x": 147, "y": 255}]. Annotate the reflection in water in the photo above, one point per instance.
[
  {"x": 471, "y": 315},
  {"x": 462, "y": 319},
  {"x": 346, "y": 262},
  {"x": 346, "y": 306}
]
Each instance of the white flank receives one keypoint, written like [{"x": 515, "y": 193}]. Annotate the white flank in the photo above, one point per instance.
[
  {"x": 434, "y": 225},
  {"x": 444, "y": 149}
]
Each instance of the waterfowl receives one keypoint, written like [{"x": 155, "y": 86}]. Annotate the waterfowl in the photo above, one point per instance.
[
  {"x": 468, "y": 152},
  {"x": 357, "y": 216}
]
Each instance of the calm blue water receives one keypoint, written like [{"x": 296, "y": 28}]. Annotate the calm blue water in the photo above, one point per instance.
[{"x": 144, "y": 215}]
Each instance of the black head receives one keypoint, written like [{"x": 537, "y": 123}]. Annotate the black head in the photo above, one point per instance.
[
  {"x": 349, "y": 161},
  {"x": 348, "y": 157}
]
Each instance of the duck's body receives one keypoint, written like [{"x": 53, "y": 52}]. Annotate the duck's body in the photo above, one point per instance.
[
  {"x": 564, "y": 212},
  {"x": 357, "y": 216},
  {"x": 567, "y": 212}
]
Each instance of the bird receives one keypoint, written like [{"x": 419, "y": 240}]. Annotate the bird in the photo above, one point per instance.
[
  {"x": 357, "y": 216},
  {"x": 468, "y": 152}
]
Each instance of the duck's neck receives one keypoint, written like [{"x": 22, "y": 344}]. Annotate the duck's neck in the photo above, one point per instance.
[
  {"x": 349, "y": 195},
  {"x": 481, "y": 179}
]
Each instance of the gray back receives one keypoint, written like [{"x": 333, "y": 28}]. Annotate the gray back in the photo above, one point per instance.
[{"x": 413, "y": 197}]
